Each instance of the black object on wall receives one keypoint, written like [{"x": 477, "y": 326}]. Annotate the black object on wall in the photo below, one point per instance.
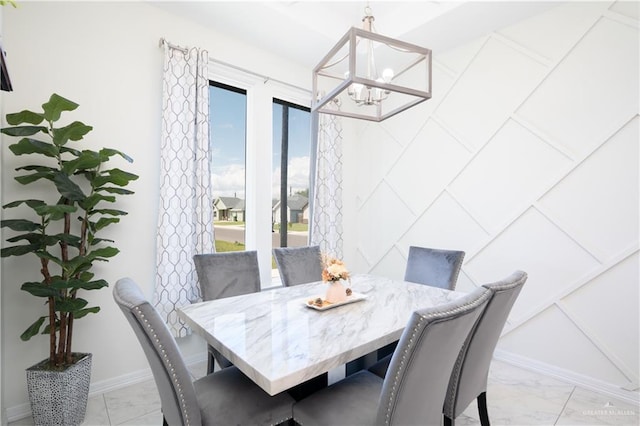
[{"x": 5, "y": 81}]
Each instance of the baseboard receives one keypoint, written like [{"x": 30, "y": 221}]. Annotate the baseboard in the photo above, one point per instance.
[
  {"x": 586, "y": 382},
  {"x": 97, "y": 388}
]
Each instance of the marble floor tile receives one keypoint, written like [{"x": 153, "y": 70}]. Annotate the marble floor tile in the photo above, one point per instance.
[
  {"x": 132, "y": 402},
  {"x": 515, "y": 396},
  {"x": 590, "y": 408},
  {"x": 96, "y": 412}
]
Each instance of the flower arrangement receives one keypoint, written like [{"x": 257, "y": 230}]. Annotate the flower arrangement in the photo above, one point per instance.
[{"x": 334, "y": 269}]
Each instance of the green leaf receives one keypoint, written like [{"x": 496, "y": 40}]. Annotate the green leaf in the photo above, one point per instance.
[
  {"x": 104, "y": 222},
  {"x": 74, "y": 132},
  {"x": 56, "y": 105},
  {"x": 43, "y": 169},
  {"x": 27, "y": 179},
  {"x": 31, "y": 203},
  {"x": 109, "y": 152},
  {"x": 35, "y": 239},
  {"x": 56, "y": 211},
  {"x": 92, "y": 200},
  {"x": 69, "y": 150},
  {"x": 86, "y": 160},
  {"x": 72, "y": 240},
  {"x": 110, "y": 212},
  {"x": 20, "y": 225},
  {"x": 19, "y": 250},
  {"x": 33, "y": 146},
  {"x": 70, "y": 305},
  {"x": 24, "y": 116},
  {"x": 103, "y": 252},
  {"x": 67, "y": 188},
  {"x": 82, "y": 312},
  {"x": 115, "y": 176},
  {"x": 77, "y": 284},
  {"x": 33, "y": 329},
  {"x": 23, "y": 130},
  {"x": 112, "y": 190},
  {"x": 40, "y": 289}
]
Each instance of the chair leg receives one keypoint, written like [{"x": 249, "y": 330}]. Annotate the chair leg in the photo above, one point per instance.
[
  {"x": 448, "y": 421},
  {"x": 210, "y": 363},
  {"x": 482, "y": 409}
]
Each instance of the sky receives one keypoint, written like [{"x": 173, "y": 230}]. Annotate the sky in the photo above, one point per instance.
[{"x": 228, "y": 116}]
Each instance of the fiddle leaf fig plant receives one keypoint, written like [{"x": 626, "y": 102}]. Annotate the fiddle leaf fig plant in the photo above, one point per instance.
[{"x": 62, "y": 229}]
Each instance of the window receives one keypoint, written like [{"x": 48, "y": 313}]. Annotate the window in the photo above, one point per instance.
[
  {"x": 228, "y": 123},
  {"x": 290, "y": 191},
  {"x": 259, "y": 94}
]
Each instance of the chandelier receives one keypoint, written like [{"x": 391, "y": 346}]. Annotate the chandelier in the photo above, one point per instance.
[{"x": 370, "y": 76}]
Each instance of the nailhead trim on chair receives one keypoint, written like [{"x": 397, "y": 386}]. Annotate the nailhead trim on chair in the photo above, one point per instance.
[
  {"x": 167, "y": 362},
  {"x": 403, "y": 360}
]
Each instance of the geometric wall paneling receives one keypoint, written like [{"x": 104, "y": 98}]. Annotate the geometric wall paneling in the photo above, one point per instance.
[
  {"x": 526, "y": 159},
  {"x": 426, "y": 166},
  {"x": 444, "y": 225},
  {"x": 580, "y": 109},
  {"x": 458, "y": 59},
  {"x": 553, "y": 33},
  {"x": 510, "y": 172},
  {"x": 630, "y": 9},
  {"x": 412, "y": 120},
  {"x": 586, "y": 202},
  {"x": 514, "y": 75},
  {"x": 380, "y": 224},
  {"x": 392, "y": 265},
  {"x": 378, "y": 151},
  {"x": 616, "y": 333},
  {"x": 532, "y": 243},
  {"x": 551, "y": 337}
]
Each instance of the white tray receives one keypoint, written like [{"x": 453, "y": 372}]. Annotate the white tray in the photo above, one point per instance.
[{"x": 355, "y": 297}]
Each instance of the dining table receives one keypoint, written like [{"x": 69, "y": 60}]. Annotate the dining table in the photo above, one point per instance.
[{"x": 279, "y": 339}]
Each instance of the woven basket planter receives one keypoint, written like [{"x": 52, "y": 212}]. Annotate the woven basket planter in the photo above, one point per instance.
[{"x": 59, "y": 397}]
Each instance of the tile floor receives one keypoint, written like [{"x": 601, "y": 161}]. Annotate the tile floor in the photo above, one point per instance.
[{"x": 515, "y": 397}]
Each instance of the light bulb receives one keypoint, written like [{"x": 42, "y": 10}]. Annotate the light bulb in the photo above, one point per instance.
[{"x": 387, "y": 75}]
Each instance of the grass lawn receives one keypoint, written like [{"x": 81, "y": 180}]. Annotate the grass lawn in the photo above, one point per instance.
[
  {"x": 303, "y": 227},
  {"x": 227, "y": 223}
]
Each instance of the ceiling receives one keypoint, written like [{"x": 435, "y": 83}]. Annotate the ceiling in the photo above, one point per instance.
[{"x": 304, "y": 31}]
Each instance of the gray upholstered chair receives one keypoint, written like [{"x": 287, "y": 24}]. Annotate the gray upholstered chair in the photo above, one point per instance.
[
  {"x": 434, "y": 267},
  {"x": 298, "y": 265},
  {"x": 438, "y": 268},
  {"x": 224, "y": 275},
  {"x": 469, "y": 376},
  {"x": 225, "y": 397},
  {"x": 414, "y": 390}
]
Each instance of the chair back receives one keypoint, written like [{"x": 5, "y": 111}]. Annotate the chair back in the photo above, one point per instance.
[
  {"x": 469, "y": 377},
  {"x": 298, "y": 265},
  {"x": 173, "y": 380},
  {"x": 435, "y": 267},
  {"x": 227, "y": 274},
  {"x": 415, "y": 386}
]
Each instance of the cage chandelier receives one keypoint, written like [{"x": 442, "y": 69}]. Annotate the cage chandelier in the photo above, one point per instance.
[{"x": 370, "y": 76}]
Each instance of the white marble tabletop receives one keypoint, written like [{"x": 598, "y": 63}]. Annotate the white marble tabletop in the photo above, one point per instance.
[{"x": 279, "y": 342}]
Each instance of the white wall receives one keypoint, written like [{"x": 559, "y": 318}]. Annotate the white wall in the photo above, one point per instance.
[
  {"x": 526, "y": 157},
  {"x": 104, "y": 56}
]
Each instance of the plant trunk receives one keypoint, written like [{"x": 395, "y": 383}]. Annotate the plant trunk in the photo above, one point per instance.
[{"x": 52, "y": 311}]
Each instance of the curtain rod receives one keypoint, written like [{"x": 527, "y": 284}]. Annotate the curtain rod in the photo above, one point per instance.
[
  {"x": 163, "y": 42},
  {"x": 264, "y": 78}
]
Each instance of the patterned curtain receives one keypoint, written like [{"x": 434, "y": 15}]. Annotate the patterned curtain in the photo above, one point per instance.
[
  {"x": 185, "y": 222},
  {"x": 326, "y": 227}
]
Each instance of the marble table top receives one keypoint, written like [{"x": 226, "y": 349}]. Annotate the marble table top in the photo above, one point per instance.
[{"x": 279, "y": 342}]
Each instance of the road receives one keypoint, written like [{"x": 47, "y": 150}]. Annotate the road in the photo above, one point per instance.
[{"x": 236, "y": 234}]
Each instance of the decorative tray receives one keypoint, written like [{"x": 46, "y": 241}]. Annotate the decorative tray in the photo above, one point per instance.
[{"x": 311, "y": 302}]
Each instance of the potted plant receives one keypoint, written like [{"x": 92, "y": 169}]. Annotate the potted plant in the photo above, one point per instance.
[{"x": 61, "y": 230}]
